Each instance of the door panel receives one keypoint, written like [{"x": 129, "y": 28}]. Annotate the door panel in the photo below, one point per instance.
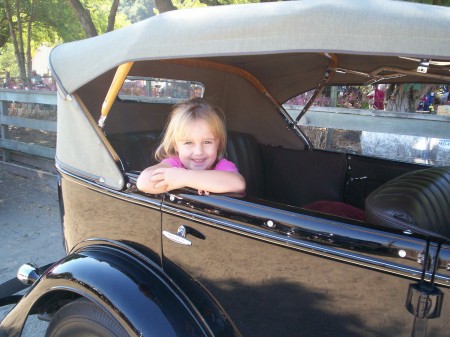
[
  {"x": 90, "y": 211},
  {"x": 275, "y": 285}
]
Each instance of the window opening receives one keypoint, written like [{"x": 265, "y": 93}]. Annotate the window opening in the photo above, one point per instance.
[
  {"x": 379, "y": 120},
  {"x": 159, "y": 90}
]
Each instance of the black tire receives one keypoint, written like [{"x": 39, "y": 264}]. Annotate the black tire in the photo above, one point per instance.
[{"x": 82, "y": 318}]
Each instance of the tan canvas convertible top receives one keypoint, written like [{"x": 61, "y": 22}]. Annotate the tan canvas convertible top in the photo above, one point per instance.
[{"x": 346, "y": 27}]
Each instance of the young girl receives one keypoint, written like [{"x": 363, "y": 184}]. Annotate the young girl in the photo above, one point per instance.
[{"x": 192, "y": 152}]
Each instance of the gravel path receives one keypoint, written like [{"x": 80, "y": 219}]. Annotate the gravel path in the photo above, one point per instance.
[{"x": 30, "y": 228}]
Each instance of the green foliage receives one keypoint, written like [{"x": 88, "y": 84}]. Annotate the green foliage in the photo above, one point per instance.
[
  {"x": 227, "y": 2},
  {"x": 180, "y": 4},
  {"x": 51, "y": 21},
  {"x": 8, "y": 60},
  {"x": 137, "y": 10},
  {"x": 99, "y": 10},
  {"x": 54, "y": 22},
  {"x": 202, "y": 3},
  {"x": 4, "y": 29},
  {"x": 236, "y": 2},
  {"x": 56, "y": 17}
]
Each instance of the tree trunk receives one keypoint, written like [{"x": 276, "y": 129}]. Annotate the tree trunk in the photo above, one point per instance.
[
  {"x": 29, "y": 33},
  {"x": 164, "y": 6},
  {"x": 4, "y": 28},
  {"x": 15, "y": 38},
  {"x": 84, "y": 17},
  {"x": 22, "y": 64},
  {"x": 112, "y": 15},
  {"x": 405, "y": 97}
]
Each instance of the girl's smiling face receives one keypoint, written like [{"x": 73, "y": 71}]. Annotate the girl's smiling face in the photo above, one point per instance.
[{"x": 197, "y": 150}]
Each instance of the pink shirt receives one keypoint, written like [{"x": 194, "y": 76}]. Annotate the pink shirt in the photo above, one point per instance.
[{"x": 222, "y": 165}]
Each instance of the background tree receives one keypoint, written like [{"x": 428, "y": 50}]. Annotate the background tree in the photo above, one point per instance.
[
  {"x": 97, "y": 16},
  {"x": 56, "y": 22},
  {"x": 4, "y": 30},
  {"x": 20, "y": 17},
  {"x": 164, "y": 6},
  {"x": 84, "y": 17},
  {"x": 112, "y": 15},
  {"x": 406, "y": 97},
  {"x": 137, "y": 10},
  {"x": 29, "y": 24},
  {"x": 47, "y": 22}
]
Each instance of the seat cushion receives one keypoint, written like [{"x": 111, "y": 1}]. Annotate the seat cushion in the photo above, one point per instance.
[
  {"x": 136, "y": 150},
  {"x": 336, "y": 208},
  {"x": 418, "y": 201},
  {"x": 244, "y": 151}
]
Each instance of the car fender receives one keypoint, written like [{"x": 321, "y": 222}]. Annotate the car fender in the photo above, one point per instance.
[{"x": 132, "y": 289}]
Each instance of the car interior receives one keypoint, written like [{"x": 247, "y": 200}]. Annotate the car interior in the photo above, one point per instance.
[
  {"x": 278, "y": 166},
  {"x": 322, "y": 181}
]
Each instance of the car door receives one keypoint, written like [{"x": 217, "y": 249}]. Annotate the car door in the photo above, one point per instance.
[{"x": 278, "y": 271}]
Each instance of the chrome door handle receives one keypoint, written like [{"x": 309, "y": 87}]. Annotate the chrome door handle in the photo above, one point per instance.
[{"x": 179, "y": 236}]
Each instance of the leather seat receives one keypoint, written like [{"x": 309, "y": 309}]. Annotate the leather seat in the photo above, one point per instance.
[
  {"x": 244, "y": 151},
  {"x": 136, "y": 150},
  {"x": 418, "y": 201}
]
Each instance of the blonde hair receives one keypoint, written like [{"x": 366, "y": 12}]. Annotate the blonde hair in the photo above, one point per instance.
[{"x": 181, "y": 118}]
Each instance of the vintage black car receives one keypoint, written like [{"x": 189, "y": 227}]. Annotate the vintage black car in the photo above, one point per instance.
[{"x": 327, "y": 241}]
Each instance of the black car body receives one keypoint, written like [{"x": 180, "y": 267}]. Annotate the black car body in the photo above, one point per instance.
[{"x": 263, "y": 264}]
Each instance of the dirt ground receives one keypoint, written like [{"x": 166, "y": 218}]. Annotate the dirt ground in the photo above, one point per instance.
[{"x": 30, "y": 228}]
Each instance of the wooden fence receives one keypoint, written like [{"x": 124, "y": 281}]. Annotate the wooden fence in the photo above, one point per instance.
[
  {"x": 382, "y": 122},
  {"x": 15, "y": 148},
  {"x": 399, "y": 123}
]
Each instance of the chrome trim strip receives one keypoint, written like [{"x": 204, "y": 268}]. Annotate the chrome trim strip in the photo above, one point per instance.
[
  {"x": 312, "y": 247},
  {"x": 272, "y": 237}
]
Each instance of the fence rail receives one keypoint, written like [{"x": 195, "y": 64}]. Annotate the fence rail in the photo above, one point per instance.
[
  {"x": 9, "y": 146},
  {"x": 334, "y": 118},
  {"x": 399, "y": 123}
]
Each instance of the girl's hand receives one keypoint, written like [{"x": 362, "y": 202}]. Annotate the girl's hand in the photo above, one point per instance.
[
  {"x": 144, "y": 182},
  {"x": 172, "y": 178},
  {"x": 168, "y": 178}
]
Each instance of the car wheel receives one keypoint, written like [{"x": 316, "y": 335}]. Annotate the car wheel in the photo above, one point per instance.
[{"x": 82, "y": 318}]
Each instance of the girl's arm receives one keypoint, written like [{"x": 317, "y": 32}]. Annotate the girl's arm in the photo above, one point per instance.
[
  {"x": 206, "y": 181},
  {"x": 162, "y": 178},
  {"x": 144, "y": 182}
]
